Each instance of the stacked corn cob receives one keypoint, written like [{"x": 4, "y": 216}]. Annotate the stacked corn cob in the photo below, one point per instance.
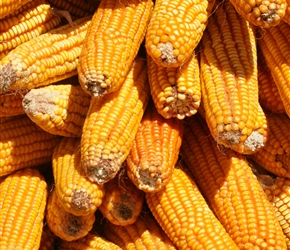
[{"x": 134, "y": 124}]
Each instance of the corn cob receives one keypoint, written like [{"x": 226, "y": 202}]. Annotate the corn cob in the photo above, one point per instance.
[
  {"x": 11, "y": 103},
  {"x": 58, "y": 109},
  {"x": 274, "y": 43},
  {"x": 286, "y": 17},
  {"x": 229, "y": 185},
  {"x": 155, "y": 150},
  {"x": 145, "y": 234},
  {"x": 229, "y": 81},
  {"x": 9, "y": 6},
  {"x": 91, "y": 241},
  {"x": 111, "y": 125},
  {"x": 175, "y": 91},
  {"x": 263, "y": 13},
  {"x": 23, "y": 144},
  {"x": 269, "y": 96},
  {"x": 29, "y": 21},
  {"x": 23, "y": 197},
  {"x": 275, "y": 156},
  {"x": 76, "y": 193},
  {"x": 48, "y": 239},
  {"x": 65, "y": 225},
  {"x": 112, "y": 42},
  {"x": 45, "y": 59}
]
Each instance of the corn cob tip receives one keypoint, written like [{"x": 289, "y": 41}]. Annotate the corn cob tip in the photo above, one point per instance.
[
  {"x": 165, "y": 53},
  {"x": 81, "y": 200},
  {"x": 7, "y": 77},
  {"x": 149, "y": 181},
  {"x": 96, "y": 87}
]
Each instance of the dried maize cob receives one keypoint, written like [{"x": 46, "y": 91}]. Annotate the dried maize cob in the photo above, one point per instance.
[
  {"x": 76, "y": 193},
  {"x": 23, "y": 197},
  {"x": 11, "y": 103},
  {"x": 229, "y": 81},
  {"x": 155, "y": 150},
  {"x": 45, "y": 59},
  {"x": 31, "y": 20},
  {"x": 176, "y": 91},
  {"x": 91, "y": 241},
  {"x": 144, "y": 234},
  {"x": 185, "y": 217},
  {"x": 123, "y": 201},
  {"x": 262, "y": 13},
  {"x": 58, "y": 109},
  {"x": 274, "y": 43},
  {"x": 9, "y": 6},
  {"x": 232, "y": 190},
  {"x": 269, "y": 96},
  {"x": 66, "y": 225},
  {"x": 113, "y": 39},
  {"x": 112, "y": 123},
  {"x": 48, "y": 239},
  {"x": 175, "y": 30},
  {"x": 275, "y": 155},
  {"x": 23, "y": 144}
]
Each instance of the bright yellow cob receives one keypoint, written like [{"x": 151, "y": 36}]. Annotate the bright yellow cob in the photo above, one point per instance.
[
  {"x": 23, "y": 144},
  {"x": 185, "y": 217},
  {"x": 11, "y": 103},
  {"x": 9, "y": 6},
  {"x": 144, "y": 234},
  {"x": 155, "y": 151},
  {"x": 58, "y": 109},
  {"x": 176, "y": 91},
  {"x": 112, "y": 42},
  {"x": 111, "y": 125},
  {"x": 232, "y": 190},
  {"x": 275, "y": 46},
  {"x": 66, "y": 225},
  {"x": 76, "y": 193},
  {"x": 229, "y": 81},
  {"x": 48, "y": 239},
  {"x": 45, "y": 59},
  {"x": 29, "y": 21},
  {"x": 23, "y": 197}
]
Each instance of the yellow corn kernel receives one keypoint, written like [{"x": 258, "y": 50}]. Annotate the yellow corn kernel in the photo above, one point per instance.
[
  {"x": 9, "y": 6},
  {"x": 185, "y": 217},
  {"x": 286, "y": 17},
  {"x": 176, "y": 91},
  {"x": 155, "y": 151},
  {"x": 58, "y": 109},
  {"x": 144, "y": 234},
  {"x": 65, "y": 225},
  {"x": 29, "y": 21},
  {"x": 113, "y": 39},
  {"x": 11, "y": 103},
  {"x": 175, "y": 30},
  {"x": 23, "y": 144},
  {"x": 76, "y": 193},
  {"x": 48, "y": 239},
  {"x": 111, "y": 125},
  {"x": 23, "y": 197},
  {"x": 231, "y": 189},
  {"x": 45, "y": 59},
  {"x": 229, "y": 81}
]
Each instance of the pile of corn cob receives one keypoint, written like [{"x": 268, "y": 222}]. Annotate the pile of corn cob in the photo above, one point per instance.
[{"x": 141, "y": 124}]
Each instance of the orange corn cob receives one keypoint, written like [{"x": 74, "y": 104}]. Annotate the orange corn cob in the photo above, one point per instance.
[
  {"x": 286, "y": 17},
  {"x": 274, "y": 43},
  {"x": 232, "y": 190},
  {"x": 23, "y": 144},
  {"x": 76, "y": 193},
  {"x": 112, "y": 42},
  {"x": 175, "y": 30},
  {"x": 9, "y": 6},
  {"x": 11, "y": 103},
  {"x": 48, "y": 239},
  {"x": 275, "y": 156},
  {"x": 58, "y": 109},
  {"x": 111, "y": 125},
  {"x": 144, "y": 234},
  {"x": 269, "y": 96},
  {"x": 23, "y": 197},
  {"x": 123, "y": 202},
  {"x": 91, "y": 241},
  {"x": 229, "y": 81},
  {"x": 66, "y": 225},
  {"x": 176, "y": 91},
  {"x": 29, "y": 21},
  {"x": 155, "y": 151},
  {"x": 45, "y": 59},
  {"x": 185, "y": 217}
]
